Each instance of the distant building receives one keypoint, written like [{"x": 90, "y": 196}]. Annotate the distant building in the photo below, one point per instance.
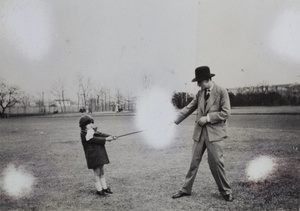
[
  {"x": 60, "y": 102},
  {"x": 294, "y": 90}
]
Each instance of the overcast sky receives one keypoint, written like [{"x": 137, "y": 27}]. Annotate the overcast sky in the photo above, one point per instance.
[{"x": 117, "y": 42}]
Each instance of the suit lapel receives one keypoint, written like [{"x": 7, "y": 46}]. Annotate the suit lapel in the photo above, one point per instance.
[{"x": 211, "y": 99}]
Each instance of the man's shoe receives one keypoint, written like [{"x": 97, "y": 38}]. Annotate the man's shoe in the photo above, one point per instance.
[
  {"x": 180, "y": 194},
  {"x": 228, "y": 197},
  {"x": 107, "y": 190},
  {"x": 101, "y": 193}
]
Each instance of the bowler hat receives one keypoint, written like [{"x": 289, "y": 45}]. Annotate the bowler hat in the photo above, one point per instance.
[
  {"x": 85, "y": 120},
  {"x": 202, "y": 73}
]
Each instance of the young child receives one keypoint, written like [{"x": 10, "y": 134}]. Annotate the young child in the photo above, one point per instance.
[{"x": 93, "y": 143}]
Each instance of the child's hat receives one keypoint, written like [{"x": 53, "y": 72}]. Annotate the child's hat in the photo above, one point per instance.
[{"x": 85, "y": 120}]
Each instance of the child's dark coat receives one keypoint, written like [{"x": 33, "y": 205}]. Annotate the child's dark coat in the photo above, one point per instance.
[{"x": 94, "y": 149}]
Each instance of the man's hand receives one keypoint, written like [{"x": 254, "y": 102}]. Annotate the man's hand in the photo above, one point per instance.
[{"x": 202, "y": 121}]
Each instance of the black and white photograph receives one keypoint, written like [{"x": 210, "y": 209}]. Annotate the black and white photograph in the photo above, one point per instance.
[{"x": 139, "y": 105}]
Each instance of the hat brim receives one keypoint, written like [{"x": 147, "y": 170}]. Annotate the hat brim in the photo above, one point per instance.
[{"x": 201, "y": 79}]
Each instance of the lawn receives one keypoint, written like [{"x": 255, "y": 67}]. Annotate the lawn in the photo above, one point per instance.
[{"x": 142, "y": 177}]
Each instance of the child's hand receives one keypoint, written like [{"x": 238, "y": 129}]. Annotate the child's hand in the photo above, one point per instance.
[
  {"x": 115, "y": 137},
  {"x": 109, "y": 138}
]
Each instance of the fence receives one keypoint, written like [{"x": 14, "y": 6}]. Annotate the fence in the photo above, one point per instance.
[
  {"x": 41, "y": 110},
  {"x": 17, "y": 110}
]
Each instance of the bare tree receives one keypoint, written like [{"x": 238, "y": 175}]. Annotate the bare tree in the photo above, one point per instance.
[
  {"x": 119, "y": 96},
  {"x": 76, "y": 83},
  {"x": 59, "y": 91},
  {"x": 105, "y": 98},
  {"x": 119, "y": 99},
  {"x": 84, "y": 85},
  {"x": 106, "y": 95},
  {"x": 99, "y": 97},
  {"x": 9, "y": 96},
  {"x": 41, "y": 102},
  {"x": 25, "y": 102},
  {"x": 241, "y": 90},
  {"x": 263, "y": 87}
]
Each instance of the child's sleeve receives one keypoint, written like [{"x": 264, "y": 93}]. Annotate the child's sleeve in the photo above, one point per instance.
[
  {"x": 97, "y": 140},
  {"x": 99, "y": 134}
]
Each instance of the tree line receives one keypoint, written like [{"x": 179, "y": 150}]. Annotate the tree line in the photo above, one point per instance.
[
  {"x": 261, "y": 99},
  {"x": 260, "y": 95},
  {"x": 265, "y": 95},
  {"x": 96, "y": 97},
  {"x": 99, "y": 98}
]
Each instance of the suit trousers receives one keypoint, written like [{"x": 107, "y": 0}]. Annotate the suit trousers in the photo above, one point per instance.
[{"x": 215, "y": 161}]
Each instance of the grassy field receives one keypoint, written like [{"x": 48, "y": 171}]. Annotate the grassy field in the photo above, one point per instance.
[{"x": 144, "y": 178}]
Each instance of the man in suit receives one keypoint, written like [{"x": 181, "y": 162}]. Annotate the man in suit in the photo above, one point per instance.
[{"x": 213, "y": 109}]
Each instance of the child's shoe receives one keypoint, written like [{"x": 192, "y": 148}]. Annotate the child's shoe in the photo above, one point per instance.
[
  {"x": 101, "y": 193},
  {"x": 107, "y": 190}
]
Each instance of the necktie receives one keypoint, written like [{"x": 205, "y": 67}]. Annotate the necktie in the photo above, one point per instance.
[{"x": 207, "y": 94}]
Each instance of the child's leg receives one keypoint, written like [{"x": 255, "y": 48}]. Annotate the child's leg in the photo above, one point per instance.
[
  {"x": 102, "y": 177},
  {"x": 103, "y": 181},
  {"x": 97, "y": 173}
]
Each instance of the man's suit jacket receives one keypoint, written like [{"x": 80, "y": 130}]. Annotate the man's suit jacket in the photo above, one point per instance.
[{"x": 218, "y": 109}]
